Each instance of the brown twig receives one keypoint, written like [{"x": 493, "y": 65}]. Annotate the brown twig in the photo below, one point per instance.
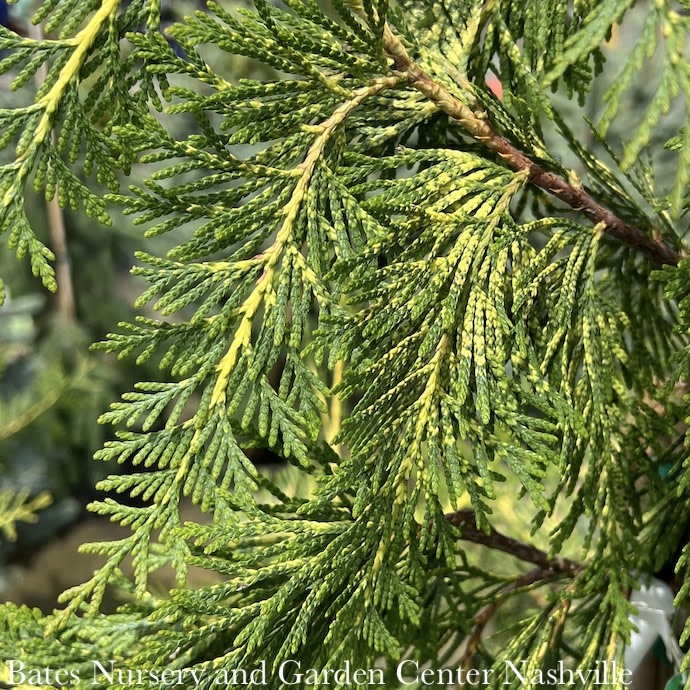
[
  {"x": 547, "y": 569},
  {"x": 477, "y": 124},
  {"x": 465, "y": 519},
  {"x": 482, "y": 618}
]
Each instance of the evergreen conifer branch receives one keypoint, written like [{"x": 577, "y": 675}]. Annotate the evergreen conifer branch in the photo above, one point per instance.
[
  {"x": 476, "y": 122},
  {"x": 285, "y": 238},
  {"x": 62, "y": 122},
  {"x": 339, "y": 219},
  {"x": 56, "y": 223},
  {"x": 14, "y": 177}
]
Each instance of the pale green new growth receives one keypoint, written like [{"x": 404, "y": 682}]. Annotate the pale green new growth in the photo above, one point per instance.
[
  {"x": 19, "y": 507},
  {"x": 390, "y": 279}
]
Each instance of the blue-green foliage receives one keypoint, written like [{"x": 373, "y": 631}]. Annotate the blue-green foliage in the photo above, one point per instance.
[{"x": 337, "y": 220}]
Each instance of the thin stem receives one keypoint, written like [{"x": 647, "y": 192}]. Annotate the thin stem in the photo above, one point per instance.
[
  {"x": 481, "y": 619},
  {"x": 547, "y": 570},
  {"x": 465, "y": 520},
  {"x": 476, "y": 123}
]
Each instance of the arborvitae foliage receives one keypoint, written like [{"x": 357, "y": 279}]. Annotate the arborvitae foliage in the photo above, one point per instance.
[{"x": 373, "y": 237}]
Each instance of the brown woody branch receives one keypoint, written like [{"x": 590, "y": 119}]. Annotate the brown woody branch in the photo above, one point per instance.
[
  {"x": 547, "y": 569},
  {"x": 465, "y": 520},
  {"x": 477, "y": 124},
  {"x": 481, "y": 619}
]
